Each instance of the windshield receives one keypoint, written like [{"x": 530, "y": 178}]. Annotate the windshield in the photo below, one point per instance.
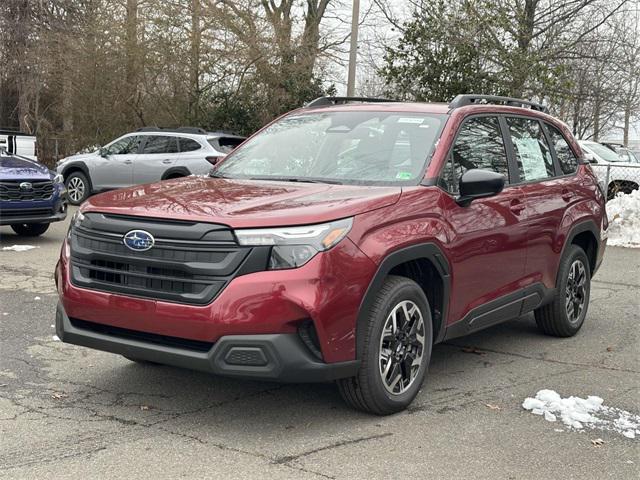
[
  {"x": 603, "y": 152},
  {"x": 339, "y": 147}
]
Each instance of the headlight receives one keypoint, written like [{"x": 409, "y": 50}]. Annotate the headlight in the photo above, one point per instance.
[
  {"x": 58, "y": 178},
  {"x": 77, "y": 219},
  {"x": 295, "y": 246}
]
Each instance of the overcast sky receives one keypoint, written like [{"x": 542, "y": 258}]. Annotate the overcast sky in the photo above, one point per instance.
[{"x": 374, "y": 33}]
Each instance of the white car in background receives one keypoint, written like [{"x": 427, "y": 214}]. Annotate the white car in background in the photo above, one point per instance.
[
  {"x": 616, "y": 174},
  {"x": 147, "y": 155},
  {"x": 18, "y": 143}
]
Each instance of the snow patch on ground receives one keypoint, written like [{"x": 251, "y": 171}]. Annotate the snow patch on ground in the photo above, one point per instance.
[
  {"x": 19, "y": 248},
  {"x": 580, "y": 413},
  {"x": 624, "y": 220}
]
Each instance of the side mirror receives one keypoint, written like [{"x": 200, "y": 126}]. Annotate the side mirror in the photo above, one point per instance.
[
  {"x": 589, "y": 157},
  {"x": 104, "y": 153},
  {"x": 477, "y": 183}
]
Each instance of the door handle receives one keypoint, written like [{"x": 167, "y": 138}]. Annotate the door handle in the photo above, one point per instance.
[
  {"x": 127, "y": 162},
  {"x": 166, "y": 160},
  {"x": 566, "y": 195},
  {"x": 516, "y": 207}
]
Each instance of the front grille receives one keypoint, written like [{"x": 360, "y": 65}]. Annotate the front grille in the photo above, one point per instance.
[
  {"x": 26, "y": 212},
  {"x": 189, "y": 263},
  {"x": 12, "y": 191},
  {"x": 154, "y": 338}
]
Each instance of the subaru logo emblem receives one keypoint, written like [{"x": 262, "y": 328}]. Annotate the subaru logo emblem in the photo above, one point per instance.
[
  {"x": 138, "y": 240},
  {"x": 26, "y": 186}
]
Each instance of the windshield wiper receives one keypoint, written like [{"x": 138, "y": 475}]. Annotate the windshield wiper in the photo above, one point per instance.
[
  {"x": 298, "y": 180},
  {"x": 215, "y": 174}
]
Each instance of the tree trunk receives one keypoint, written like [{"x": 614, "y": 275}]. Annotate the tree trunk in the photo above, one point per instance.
[
  {"x": 67, "y": 93},
  {"x": 627, "y": 124},
  {"x": 194, "y": 66},
  {"x": 596, "y": 119},
  {"x": 131, "y": 54},
  {"x": 526, "y": 25},
  {"x": 18, "y": 54}
]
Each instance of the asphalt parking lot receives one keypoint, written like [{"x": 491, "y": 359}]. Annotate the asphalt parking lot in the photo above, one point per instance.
[{"x": 70, "y": 412}]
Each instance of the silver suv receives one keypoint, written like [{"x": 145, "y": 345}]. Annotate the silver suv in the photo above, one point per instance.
[{"x": 144, "y": 156}]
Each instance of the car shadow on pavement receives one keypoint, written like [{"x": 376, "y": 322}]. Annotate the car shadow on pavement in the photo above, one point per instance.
[{"x": 181, "y": 396}]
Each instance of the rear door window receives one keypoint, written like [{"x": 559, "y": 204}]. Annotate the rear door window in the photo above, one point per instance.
[
  {"x": 479, "y": 144},
  {"x": 533, "y": 154},
  {"x": 566, "y": 158},
  {"x": 160, "y": 144},
  {"x": 189, "y": 145}
]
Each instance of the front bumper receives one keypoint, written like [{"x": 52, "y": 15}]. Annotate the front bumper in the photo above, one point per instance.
[
  {"x": 279, "y": 357},
  {"x": 17, "y": 219},
  {"x": 46, "y": 213}
]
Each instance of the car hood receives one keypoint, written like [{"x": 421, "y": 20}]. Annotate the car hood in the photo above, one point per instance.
[
  {"x": 19, "y": 168},
  {"x": 243, "y": 203},
  {"x": 77, "y": 157}
]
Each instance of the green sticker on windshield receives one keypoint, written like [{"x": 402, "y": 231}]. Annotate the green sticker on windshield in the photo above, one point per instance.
[{"x": 403, "y": 176}]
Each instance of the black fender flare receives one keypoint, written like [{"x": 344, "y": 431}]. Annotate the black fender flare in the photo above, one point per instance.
[
  {"x": 182, "y": 171},
  {"x": 78, "y": 165},
  {"x": 578, "y": 228},
  {"x": 429, "y": 251}
]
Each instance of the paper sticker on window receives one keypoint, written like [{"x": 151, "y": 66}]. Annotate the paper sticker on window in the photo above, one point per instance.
[
  {"x": 531, "y": 157},
  {"x": 416, "y": 120},
  {"x": 404, "y": 176}
]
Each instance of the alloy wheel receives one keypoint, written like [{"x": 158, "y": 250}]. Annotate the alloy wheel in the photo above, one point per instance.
[
  {"x": 401, "y": 347},
  {"x": 75, "y": 189},
  {"x": 576, "y": 291}
]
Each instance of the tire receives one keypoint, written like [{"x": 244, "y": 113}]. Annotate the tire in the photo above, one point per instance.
[
  {"x": 30, "y": 229},
  {"x": 78, "y": 187},
  {"x": 560, "y": 318},
  {"x": 368, "y": 391}
]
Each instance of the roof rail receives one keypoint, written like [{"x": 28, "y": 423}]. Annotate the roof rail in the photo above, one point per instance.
[
  {"x": 228, "y": 133},
  {"x": 464, "y": 100},
  {"x": 174, "y": 130},
  {"x": 328, "y": 101},
  {"x": 9, "y": 131}
]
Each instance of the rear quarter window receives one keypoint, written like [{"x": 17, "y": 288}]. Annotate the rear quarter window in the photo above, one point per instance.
[
  {"x": 225, "y": 144},
  {"x": 189, "y": 145},
  {"x": 566, "y": 158}
]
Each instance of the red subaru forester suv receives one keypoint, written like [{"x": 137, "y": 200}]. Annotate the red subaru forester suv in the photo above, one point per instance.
[{"x": 341, "y": 242}]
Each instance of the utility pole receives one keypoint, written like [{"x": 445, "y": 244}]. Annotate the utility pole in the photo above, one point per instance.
[{"x": 353, "y": 52}]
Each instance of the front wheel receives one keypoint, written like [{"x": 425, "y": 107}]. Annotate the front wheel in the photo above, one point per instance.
[
  {"x": 564, "y": 316},
  {"x": 78, "y": 188},
  {"x": 398, "y": 337},
  {"x": 30, "y": 229}
]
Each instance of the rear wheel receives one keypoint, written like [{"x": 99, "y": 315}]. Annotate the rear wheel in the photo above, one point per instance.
[
  {"x": 78, "y": 187},
  {"x": 564, "y": 316},
  {"x": 397, "y": 348},
  {"x": 30, "y": 229}
]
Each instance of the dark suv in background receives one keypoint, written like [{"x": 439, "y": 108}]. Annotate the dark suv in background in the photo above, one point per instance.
[
  {"x": 340, "y": 243},
  {"x": 31, "y": 195}
]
